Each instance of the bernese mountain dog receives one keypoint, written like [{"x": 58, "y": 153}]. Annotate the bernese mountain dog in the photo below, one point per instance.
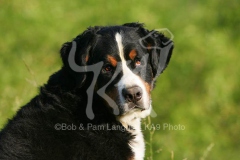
[{"x": 91, "y": 108}]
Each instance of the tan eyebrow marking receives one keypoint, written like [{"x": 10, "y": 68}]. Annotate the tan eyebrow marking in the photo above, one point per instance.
[
  {"x": 112, "y": 60},
  {"x": 149, "y": 46},
  {"x": 86, "y": 58},
  {"x": 132, "y": 54}
]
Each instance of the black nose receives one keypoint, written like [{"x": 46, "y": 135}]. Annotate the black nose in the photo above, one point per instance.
[{"x": 132, "y": 94}]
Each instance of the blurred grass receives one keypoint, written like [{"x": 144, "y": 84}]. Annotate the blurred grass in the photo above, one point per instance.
[{"x": 199, "y": 89}]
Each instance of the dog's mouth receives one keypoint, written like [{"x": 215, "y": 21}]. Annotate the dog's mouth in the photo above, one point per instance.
[
  {"x": 132, "y": 107},
  {"x": 134, "y": 113}
]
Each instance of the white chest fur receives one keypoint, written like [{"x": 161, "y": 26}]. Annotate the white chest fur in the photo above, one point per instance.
[{"x": 137, "y": 144}]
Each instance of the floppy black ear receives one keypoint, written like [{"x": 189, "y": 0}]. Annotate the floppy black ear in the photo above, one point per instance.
[
  {"x": 84, "y": 43},
  {"x": 160, "y": 51}
]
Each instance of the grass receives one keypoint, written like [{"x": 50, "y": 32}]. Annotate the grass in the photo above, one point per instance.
[{"x": 199, "y": 89}]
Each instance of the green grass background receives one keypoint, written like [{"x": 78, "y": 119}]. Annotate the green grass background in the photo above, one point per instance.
[{"x": 199, "y": 90}]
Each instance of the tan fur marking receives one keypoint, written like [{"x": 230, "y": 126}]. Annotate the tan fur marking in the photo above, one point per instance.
[
  {"x": 112, "y": 60},
  {"x": 86, "y": 58},
  {"x": 149, "y": 46},
  {"x": 148, "y": 87},
  {"x": 132, "y": 54}
]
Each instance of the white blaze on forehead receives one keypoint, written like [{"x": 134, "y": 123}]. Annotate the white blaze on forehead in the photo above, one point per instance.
[
  {"x": 120, "y": 46},
  {"x": 125, "y": 69}
]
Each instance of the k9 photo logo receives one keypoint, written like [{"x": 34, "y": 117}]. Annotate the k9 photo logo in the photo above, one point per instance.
[{"x": 164, "y": 126}]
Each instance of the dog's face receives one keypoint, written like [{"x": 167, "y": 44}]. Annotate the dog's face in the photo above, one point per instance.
[{"x": 131, "y": 61}]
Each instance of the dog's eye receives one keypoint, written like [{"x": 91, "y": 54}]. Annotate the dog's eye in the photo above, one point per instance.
[
  {"x": 107, "y": 68},
  {"x": 137, "y": 62}
]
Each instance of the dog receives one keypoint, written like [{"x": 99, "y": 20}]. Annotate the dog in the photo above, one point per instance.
[{"x": 91, "y": 108}]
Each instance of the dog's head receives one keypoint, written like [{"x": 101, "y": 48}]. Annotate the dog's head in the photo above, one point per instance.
[{"x": 126, "y": 61}]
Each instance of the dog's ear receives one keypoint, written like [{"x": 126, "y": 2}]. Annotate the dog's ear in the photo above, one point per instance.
[
  {"x": 160, "y": 50},
  {"x": 158, "y": 46},
  {"x": 84, "y": 43}
]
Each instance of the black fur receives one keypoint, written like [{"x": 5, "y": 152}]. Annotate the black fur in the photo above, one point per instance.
[{"x": 31, "y": 134}]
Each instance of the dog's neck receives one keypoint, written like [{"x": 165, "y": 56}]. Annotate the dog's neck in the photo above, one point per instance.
[{"x": 133, "y": 125}]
